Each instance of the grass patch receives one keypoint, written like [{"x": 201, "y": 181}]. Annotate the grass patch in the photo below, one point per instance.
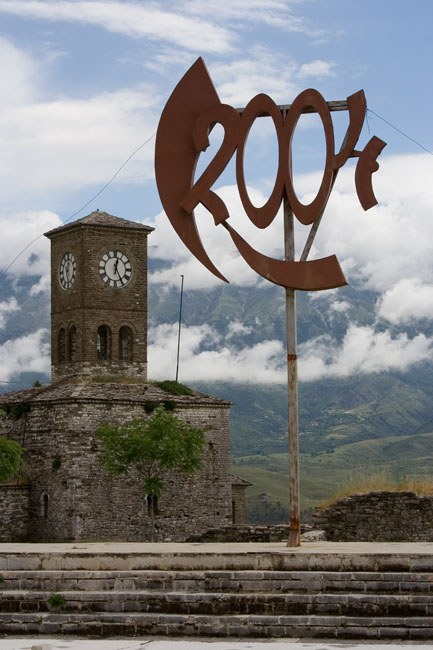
[
  {"x": 56, "y": 600},
  {"x": 174, "y": 388},
  {"x": 364, "y": 482}
]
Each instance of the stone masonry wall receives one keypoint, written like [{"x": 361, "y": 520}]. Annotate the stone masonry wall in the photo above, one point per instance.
[
  {"x": 379, "y": 517},
  {"x": 243, "y": 533},
  {"x": 73, "y": 498},
  {"x": 238, "y": 504},
  {"x": 15, "y": 513}
]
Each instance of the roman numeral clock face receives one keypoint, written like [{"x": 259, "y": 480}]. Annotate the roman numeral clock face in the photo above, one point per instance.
[
  {"x": 67, "y": 271},
  {"x": 115, "y": 269}
]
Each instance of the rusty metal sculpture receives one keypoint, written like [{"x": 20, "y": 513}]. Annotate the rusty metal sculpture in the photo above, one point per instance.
[{"x": 183, "y": 133}]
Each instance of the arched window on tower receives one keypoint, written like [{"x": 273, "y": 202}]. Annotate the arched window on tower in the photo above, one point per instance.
[
  {"x": 103, "y": 344},
  {"x": 72, "y": 343},
  {"x": 125, "y": 343},
  {"x": 61, "y": 346}
]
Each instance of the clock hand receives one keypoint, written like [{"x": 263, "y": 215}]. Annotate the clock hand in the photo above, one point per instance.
[{"x": 116, "y": 270}]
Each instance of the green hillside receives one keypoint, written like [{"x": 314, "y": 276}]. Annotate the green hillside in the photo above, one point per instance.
[
  {"x": 332, "y": 413},
  {"x": 397, "y": 457}
]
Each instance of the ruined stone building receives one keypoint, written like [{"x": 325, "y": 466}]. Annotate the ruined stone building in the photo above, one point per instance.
[{"x": 99, "y": 373}]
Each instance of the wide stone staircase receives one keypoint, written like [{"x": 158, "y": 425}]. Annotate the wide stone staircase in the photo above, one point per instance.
[{"x": 284, "y": 594}]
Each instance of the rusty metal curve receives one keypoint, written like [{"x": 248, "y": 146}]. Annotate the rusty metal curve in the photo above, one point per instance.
[
  {"x": 365, "y": 168},
  {"x": 176, "y": 156},
  {"x": 314, "y": 275}
]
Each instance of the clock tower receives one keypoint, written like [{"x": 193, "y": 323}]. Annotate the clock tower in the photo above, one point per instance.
[{"x": 99, "y": 298}]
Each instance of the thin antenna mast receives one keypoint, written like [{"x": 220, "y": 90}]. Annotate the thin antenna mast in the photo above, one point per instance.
[{"x": 180, "y": 323}]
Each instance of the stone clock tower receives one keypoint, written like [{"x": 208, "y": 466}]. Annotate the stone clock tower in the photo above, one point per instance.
[{"x": 99, "y": 298}]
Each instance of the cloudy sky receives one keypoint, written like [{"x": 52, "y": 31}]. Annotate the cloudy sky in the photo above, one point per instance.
[{"x": 83, "y": 84}]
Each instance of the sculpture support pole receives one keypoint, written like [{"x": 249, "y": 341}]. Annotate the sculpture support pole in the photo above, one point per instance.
[
  {"x": 292, "y": 376},
  {"x": 180, "y": 324}
]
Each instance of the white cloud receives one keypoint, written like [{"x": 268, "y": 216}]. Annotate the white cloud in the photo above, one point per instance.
[
  {"x": 271, "y": 12},
  {"x": 389, "y": 242},
  {"x": 208, "y": 356},
  {"x": 316, "y": 68},
  {"x": 236, "y": 328},
  {"x": 18, "y": 73},
  {"x": 71, "y": 143},
  {"x": 261, "y": 363},
  {"x": 407, "y": 301},
  {"x": 42, "y": 286},
  {"x": 363, "y": 350},
  {"x": 6, "y": 307},
  {"x": 29, "y": 353},
  {"x": 129, "y": 18},
  {"x": 238, "y": 81},
  {"x": 340, "y": 306},
  {"x": 19, "y": 230}
]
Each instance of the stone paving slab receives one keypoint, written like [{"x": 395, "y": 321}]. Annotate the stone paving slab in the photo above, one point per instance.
[
  {"x": 146, "y": 643},
  {"x": 319, "y": 555},
  {"x": 119, "y": 548}
]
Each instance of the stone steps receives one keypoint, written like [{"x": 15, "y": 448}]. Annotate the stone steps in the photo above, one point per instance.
[
  {"x": 140, "y": 624},
  {"x": 205, "y": 593},
  {"x": 219, "y": 581},
  {"x": 217, "y": 604}
]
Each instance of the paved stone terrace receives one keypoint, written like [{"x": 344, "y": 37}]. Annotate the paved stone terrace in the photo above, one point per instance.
[
  {"x": 149, "y": 643},
  {"x": 337, "y": 556},
  {"x": 197, "y": 549}
]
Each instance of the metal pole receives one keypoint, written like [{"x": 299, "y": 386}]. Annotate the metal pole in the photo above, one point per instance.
[
  {"x": 180, "y": 323},
  {"x": 292, "y": 376}
]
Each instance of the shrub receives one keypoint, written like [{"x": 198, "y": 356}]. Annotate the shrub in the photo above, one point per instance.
[
  {"x": 150, "y": 406},
  {"x": 174, "y": 388},
  {"x": 10, "y": 458},
  {"x": 17, "y": 410}
]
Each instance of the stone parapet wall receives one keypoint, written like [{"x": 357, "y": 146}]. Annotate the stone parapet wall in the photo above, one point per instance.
[
  {"x": 245, "y": 533},
  {"x": 15, "y": 513},
  {"x": 379, "y": 517}
]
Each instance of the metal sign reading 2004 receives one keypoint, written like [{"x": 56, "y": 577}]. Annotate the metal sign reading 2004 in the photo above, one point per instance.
[{"x": 192, "y": 110}]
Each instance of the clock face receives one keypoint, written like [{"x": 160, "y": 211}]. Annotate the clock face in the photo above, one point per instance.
[
  {"x": 115, "y": 269},
  {"x": 67, "y": 271}
]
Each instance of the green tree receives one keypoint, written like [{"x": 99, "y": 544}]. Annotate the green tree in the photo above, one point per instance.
[
  {"x": 151, "y": 446},
  {"x": 10, "y": 458}
]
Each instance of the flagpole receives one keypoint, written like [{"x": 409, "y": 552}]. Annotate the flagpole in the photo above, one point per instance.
[{"x": 180, "y": 323}]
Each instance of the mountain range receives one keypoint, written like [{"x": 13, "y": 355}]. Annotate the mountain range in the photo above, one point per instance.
[{"x": 355, "y": 422}]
